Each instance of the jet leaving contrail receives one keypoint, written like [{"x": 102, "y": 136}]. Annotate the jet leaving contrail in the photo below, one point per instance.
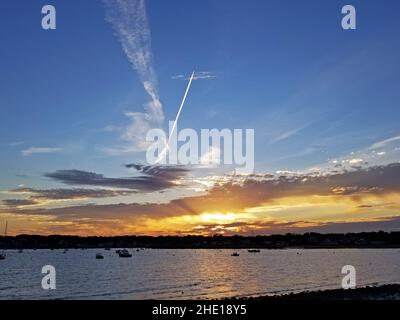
[
  {"x": 162, "y": 154},
  {"x": 180, "y": 109}
]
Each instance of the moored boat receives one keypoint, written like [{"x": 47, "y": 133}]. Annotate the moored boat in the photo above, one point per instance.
[{"x": 124, "y": 254}]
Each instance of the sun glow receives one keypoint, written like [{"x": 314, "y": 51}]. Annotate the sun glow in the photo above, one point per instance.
[
  {"x": 218, "y": 217},
  {"x": 224, "y": 218}
]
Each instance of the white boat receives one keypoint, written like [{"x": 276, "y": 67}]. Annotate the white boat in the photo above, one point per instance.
[
  {"x": 2, "y": 254},
  {"x": 235, "y": 254},
  {"x": 124, "y": 254}
]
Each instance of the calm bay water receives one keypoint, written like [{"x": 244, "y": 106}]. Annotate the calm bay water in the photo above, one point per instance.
[{"x": 190, "y": 274}]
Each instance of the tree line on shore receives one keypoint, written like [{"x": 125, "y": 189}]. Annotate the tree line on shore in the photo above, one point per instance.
[{"x": 379, "y": 239}]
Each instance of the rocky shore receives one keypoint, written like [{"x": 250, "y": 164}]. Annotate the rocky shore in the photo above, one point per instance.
[{"x": 383, "y": 292}]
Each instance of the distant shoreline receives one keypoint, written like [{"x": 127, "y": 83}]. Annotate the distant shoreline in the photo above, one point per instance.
[
  {"x": 364, "y": 240},
  {"x": 382, "y": 292},
  {"x": 200, "y": 248}
]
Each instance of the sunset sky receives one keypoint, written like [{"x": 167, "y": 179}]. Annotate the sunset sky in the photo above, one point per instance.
[{"x": 75, "y": 102}]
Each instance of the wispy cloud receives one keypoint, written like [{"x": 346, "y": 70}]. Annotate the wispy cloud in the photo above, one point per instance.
[
  {"x": 34, "y": 150},
  {"x": 287, "y": 134},
  {"x": 15, "y": 203},
  {"x": 129, "y": 20},
  {"x": 379, "y": 153},
  {"x": 202, "y": 75},
  {"x": 16, "y": 143},
  {"x": 109, "y": 128},
  {"x": 384, "y": 143},
  {"x": 166, "y": 172},
  {"x": 34, "y": 197},
  {"x": 69, "y": 194}
]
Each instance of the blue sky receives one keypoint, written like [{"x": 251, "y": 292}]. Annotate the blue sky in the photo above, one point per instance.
[
  {"x": 312, "y": 91},
  {"x": 280, "y": 67}
]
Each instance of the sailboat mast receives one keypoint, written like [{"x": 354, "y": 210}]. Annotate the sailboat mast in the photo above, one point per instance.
[{"x": 5, "y": 234}]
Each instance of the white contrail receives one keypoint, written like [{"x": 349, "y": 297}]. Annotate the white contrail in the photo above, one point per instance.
[
  {"x": 180, "y": 108},
  {"x": 162, "y": 154}
]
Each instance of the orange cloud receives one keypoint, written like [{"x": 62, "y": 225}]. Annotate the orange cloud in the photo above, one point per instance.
[{"x": 263, "y": 205}]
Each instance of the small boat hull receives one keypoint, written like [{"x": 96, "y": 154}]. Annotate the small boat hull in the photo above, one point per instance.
[{"x": 124, "y": 254}]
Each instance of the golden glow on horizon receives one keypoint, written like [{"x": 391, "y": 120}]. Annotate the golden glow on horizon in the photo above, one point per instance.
[
  {"x": 219, "y": 217},
  {"x": 297, "y": 212}
]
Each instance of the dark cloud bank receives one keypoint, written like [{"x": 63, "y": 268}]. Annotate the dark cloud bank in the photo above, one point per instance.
[
  {"x": 152, "y": 178},
  {"x": 231, "y": 197}
]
